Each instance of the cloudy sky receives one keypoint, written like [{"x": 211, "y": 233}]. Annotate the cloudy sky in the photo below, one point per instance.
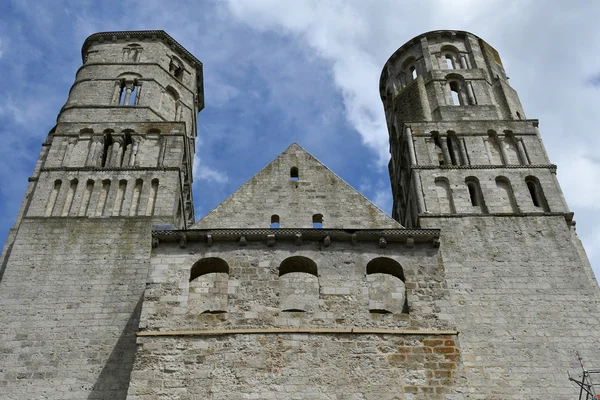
[{"x": 279, "y": 71}]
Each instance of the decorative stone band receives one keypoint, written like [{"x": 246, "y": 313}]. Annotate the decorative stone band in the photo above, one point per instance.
[
  {"x": 317, "y": 331},
  {"x": 568, "y": 216},
  {"x": 551, "y": 167},
  {"x": 381, "y": 237},
  {"x": 129, "y": 168}
]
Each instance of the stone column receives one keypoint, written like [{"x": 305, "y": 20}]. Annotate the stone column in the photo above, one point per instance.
[
  {"x": 136, "y": 144},
  {"x": 522, "y": 153},
  {"x": 117, "y": 151},
  {"x": 129, "y": 89},
  {"x": 445, "y": 152},
  {"x": 89, "y": 161},
  {"x": 503, "y": 153},
  {"x": 463, "y": 152},
  {"x": 411, "y": 146},
  {"x": 471, "y": 94},
  {"x": 486, "y": 144},
  {"x": 463, "y": 62}
]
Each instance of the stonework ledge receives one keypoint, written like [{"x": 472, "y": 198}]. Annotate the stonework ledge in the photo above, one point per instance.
[
  {"x": 498, "y": 166},
  {"x": 259, "y": 331},
  {"x": 209, "y": 236}
]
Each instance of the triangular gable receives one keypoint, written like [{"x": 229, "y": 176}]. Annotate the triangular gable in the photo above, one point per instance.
[{"x": 317, "y": 190}]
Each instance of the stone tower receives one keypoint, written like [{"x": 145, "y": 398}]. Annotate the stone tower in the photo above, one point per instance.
[
  {"x": 465, "y": 159},
  {"x": 118, "y": 161}
]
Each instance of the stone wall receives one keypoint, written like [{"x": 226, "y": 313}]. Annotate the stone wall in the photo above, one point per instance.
[
  {"x": 525, "y": 301},
  {"x": 263, "y": 361},
  {"x": 71, "y": 297}
]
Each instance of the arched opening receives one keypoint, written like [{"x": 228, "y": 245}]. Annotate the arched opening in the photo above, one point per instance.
[
  {"x": 176, "y": 67},
  {"x": 298, "y": 285},
  {"x": 70, "y": 196},
  {"x": 413, "y": 72},
  {"x": 152, "y": 197},
  {"x": 455, "y": 93},
  {"x": 169, "y": 103},
  {"x": 438, "y": 145},
  {"x": 444, "y": 195},
  {"x": 536, "y": 193},
  {"x": 386, "y": 287},
  {"x": 449, "y": 61},
  {"x": 317, "y": 221},
  {"x": 294, "y": 174},
  {"x": 208, "y": 286},
  {"x": 475, "y": 194},
  {"x": 274, "y": 221},
  {"x": 52, "y": 198},
  {"x": 506, "y": 199},
  {"x": 107, "y": 150}
]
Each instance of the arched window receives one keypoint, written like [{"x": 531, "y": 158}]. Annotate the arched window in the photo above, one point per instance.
[
  {"x": 85, "y": 200},
  {"x": 176, "y": 67},
  {"x": 294, "y": 174},
  {"x": 536, "y": 193},
  {"x": 385, "y": 283},
  {"x": 208, "y": 286},
  {"x": 170, "y": 103},
  {"x": 107, "y": 149},
  {"x": 413, "y": 72},
  {"x": 53, "y": 197},
  {"x": 409, "y": 70},
  {"x": 444, "y": 195},
  {"x": 132, "y": 52},
  {"x": 451, "y": 57},
  {"x": 317, "y": 221},
  {"x": 506, "y": 198},
  {"x": 475, "y": 194},
  {"x": 438, "y": 145},
  {"x": 298, "y": 285},
  {"x": 274, "y": 221},
  {"x": 455, "y": 93},
  {"x": 102, "y": 198},
  {"x": 129, "y": 92},
  {"x": 70, "y": 196},
  {"x": 152, "y": 197}
]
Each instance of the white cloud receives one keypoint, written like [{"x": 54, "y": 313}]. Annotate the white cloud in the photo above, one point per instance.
[{"x": 204, "y": 172}]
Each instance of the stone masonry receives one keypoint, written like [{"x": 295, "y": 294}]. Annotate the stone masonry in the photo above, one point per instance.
[{"x": 295, "y": 287}]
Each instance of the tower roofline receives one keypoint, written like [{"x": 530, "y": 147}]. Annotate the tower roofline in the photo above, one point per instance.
[
  {"x": 152, "y": 34},
  {"x": 403, "y": 48}
]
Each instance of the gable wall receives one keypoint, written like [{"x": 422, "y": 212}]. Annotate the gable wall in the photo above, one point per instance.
[{"x": 317, "y": 191}]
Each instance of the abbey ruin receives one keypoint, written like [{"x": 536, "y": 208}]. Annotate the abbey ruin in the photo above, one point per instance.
[{"x": 296, "y": 286}]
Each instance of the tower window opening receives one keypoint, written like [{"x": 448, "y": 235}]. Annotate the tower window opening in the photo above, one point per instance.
[
  {"x": 274, "y": 221},
  {"x": 413, "y": 72},
  {"x": 536, "y": 193},
  {"x": 449, "y": 61},
  {"x": 294, "y": 174},
  {"x": 451, "y": 150},
  {"x": 134, "y": 94},
  {"x": 176, "y": 68},
  {"x": 438, "y": 145},
  {"x": 107, "y": 150},
  {"x": 455, "y": 93},
  {"x": 473, "y": 193},
  {"x": 317, "y": 221},
  {"x": 122, "y": 94},
  {"x": 533, "y": 194}
]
